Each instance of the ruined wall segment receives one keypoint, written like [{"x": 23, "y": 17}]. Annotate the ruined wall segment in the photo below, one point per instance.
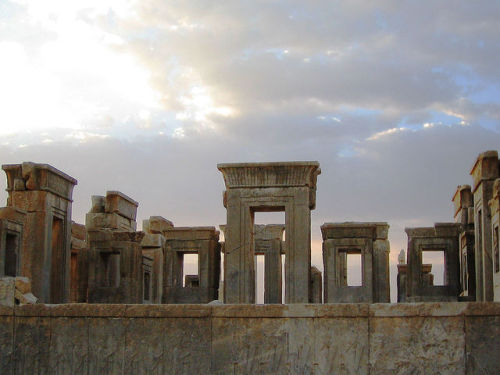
[
  {"x": 255, "y": 187},
  {"x": 352, "y": 339},
  {"x": 154, "y": 247},
  {"x": 370, "y": 241},
  {"x": 115, "y": 264},
  {"x": 45, "y": 194},
  {"x": 79, "y": 263}
]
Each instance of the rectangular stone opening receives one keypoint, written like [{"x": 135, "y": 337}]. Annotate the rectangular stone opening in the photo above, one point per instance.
[
  {"x": 190, "y": 269},
  {"x": 11, "y": 241},
  {"x": 57, "y": 261},
  {"x": 269, "y": 265},
  {"x": 354, "y": 268},
  {"x": 147, "y": 286},
  {"x": 73, "y": 277},
  {"x": 110, "y": 263},
  {"x": 436, "y": 260},
  {"x": 260, "y": 283},
  {"x": 464, "y": 274}
]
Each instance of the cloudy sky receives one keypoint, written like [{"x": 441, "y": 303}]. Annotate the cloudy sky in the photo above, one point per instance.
[{"x": 395, "y": 99}]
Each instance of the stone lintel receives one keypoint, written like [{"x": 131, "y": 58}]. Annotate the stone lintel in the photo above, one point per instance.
[
  {"x": 268, "y": 175},
  {"x": 117, "y": 202},
  {"x": 269, "y": 232},
  {"x": 156, "y": 225},
  {"x": 485, "y": 168},
  {"x": 438, "y": 230},
  {"x": 192, "y": 233},
  {"x": 34, "y": 176},
  {"x": 374, "y": 230}
]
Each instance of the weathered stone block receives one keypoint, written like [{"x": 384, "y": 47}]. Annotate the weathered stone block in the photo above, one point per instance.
[
  {"x": 419, "y": 345},
  {"x": 32, "y": 345},
  {"x": 482, "y": 339},
  {"x": 117, "y": 202},
  {"x": 69, "y": 346}
]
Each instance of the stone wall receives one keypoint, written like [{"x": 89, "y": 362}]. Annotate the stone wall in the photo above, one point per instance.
[{"x": 420, "y": 338}]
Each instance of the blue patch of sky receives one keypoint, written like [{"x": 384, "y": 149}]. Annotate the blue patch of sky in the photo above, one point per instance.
[
  {"x": 474, "y": 87},
  {"x": 347, "y": 151},
  {"x": 381, "y": 20}
]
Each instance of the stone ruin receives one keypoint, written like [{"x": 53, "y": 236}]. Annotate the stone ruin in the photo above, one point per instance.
[
  {"x": 366, "y": 239},
  {"x": 108, "y": 261}
]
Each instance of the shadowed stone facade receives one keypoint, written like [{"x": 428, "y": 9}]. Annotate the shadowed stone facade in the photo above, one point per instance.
[
  {"x": 463, "y": 202},
  {"x": 443, "y": 237},
  {"x": 115, "y": 266},
  {"x": 261, "y": 187},
  {"x": 154, "y": 247},
  {"x": 11, "y": 240},
  {"x": 45, "y": 194},
  {"x": 203, "y": 241},
  {"x": 370, "y": 241}
]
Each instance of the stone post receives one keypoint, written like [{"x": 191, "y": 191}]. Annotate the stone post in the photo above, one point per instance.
[{"x": 484, "y": 172}]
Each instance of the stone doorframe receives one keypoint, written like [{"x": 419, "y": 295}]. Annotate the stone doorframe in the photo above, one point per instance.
[{"x": 268, "y": 187}]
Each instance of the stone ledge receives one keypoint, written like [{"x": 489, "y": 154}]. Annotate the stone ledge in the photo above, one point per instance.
[{"x": 348, "y": 310}]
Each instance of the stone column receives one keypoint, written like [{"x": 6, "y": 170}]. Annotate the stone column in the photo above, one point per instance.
[
  {"x": 463, "y": 202},
  {"x": 316, "y": 286},
  {"x": 484, "y": 172},
  {"x": 239, "y": 267},
  {"x": 298, "y": 248}
]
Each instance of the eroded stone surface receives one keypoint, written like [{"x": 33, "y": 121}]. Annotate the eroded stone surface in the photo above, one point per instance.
[{"x": 417, "y": 345}]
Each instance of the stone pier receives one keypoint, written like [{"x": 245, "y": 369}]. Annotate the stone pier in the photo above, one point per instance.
[{"x": 45, "y": 194}]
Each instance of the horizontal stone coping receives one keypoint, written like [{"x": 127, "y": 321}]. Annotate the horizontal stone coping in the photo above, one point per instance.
[
  {"x": 191, "y": 233},
  {"x": 47, "y": 167},
  {"x": 270, "y": 175},
  {"x": 438, "y": 230},
  {"x": 361, "y": 310},
  {"x": 352, "y": 229},
  {"x": 269, "y": 164},
  {"x": 111, "y": 193}
]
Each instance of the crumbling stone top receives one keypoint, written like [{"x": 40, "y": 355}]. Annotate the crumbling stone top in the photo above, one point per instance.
[
  {"x": 439, "y": 230},
  {"x": 266, "y": 175},
  {"x": 375, "y": 230},
  {"x": 191, "y": 233},
  {"x": 462, "y": 198},
  {"x": 485, "y": 168},
  {"x": 34, "y": 176},
  {"x": 156, "y": 225}
]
